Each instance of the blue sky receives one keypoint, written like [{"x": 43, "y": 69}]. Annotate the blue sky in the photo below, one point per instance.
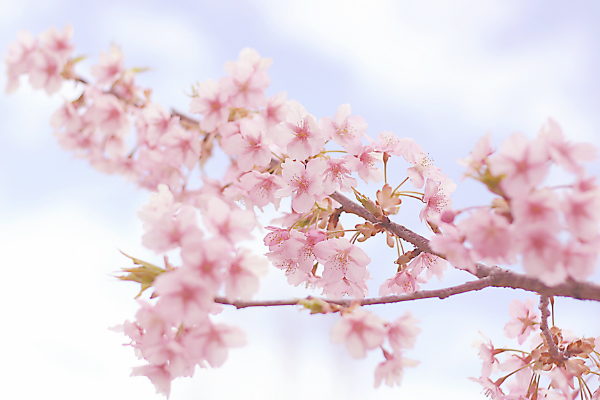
[{"x": 443, "y": 73}]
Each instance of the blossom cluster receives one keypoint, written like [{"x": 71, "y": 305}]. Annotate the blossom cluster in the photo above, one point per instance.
[
  {"x": 553, "y": 231},
  {"x": 361, "y": 330},
  {"x": 279, "y": 151},
  {"x": 536, "y": 373}
]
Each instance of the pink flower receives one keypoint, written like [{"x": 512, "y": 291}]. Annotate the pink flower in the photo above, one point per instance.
[
  {"x": 211, "y": 342},
  {"x": 402, "y": 333},
  {"x": 58, "y": 43},
  {"x": 478, "y": 157},
  {"x": 212, "y": 103},
  {"x": 490, "y": 234},
  {"x": 246, "y": 86},
  {"x": 19, "y": 58},
  {"x": 523, "y": 164},
  {"x": 541, "y": 251},
  {"x": 451, "y": 245},
  {"x": 110, "y": 68},
  {"x": 183, "y": 297},
  {"x": 337, "y": 175},
  {"x": 392, "y": 370},
  {"x": 226, "y": 222},
  {"x": 433, "y": 264},
  {"x": 250, "y": 145},
  {"x": 341, "y": 259},
  {"x": 422, "y": 167},
  {"x": 300, "y": 134},
  {"x": 582, "y": 213},
  {"x": 537, "y": 206},
  {"x": 275, "y": 111},
  {"x": 344, "y": 129},
  {"x": 261, "y": 188},
  {"x": 566, "y": 154},
  {"x": 241, "y": 278},
  {"x": 360, "y": 330},
  {"x": 437, "y": 197},
  {"x": 524, "y": 320},
  {"x": 306, "y": 183},
  {"x": 402, "y": 282},
  {"x": 45, "y": 71},
  {"x": 158, "y": 375},
  {"x": 367, "y": 170}
]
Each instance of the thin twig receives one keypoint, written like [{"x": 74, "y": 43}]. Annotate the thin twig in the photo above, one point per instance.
[
  {"x": 554, "y": 351},
  {"x": 423, "y": 294}
]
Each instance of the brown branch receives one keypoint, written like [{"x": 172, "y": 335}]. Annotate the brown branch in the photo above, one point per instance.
[
  {"x": 422, "y": 294},
  {"x": 399, "y": 230},
  {"x": 555, "y": 353},
  {"x": 502, "y": 277}
]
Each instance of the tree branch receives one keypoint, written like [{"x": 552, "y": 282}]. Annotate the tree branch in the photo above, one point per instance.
[
  {"x": 421, "y": 243},
  {"x": 555, "y": 353},
  {"x": 502, "y": 277},
  {"x": 422, "y": 294}
]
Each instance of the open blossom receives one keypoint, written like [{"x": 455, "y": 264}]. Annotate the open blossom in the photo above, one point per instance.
[
  {"x": 110, "y": 68},
  {"x": 434, "y": 265},
  {"x": 566, "y": 154},
  {"x": 402, "y": 282},
  {"x": 342, "y": 259},
  {"x": 245, "y": 86},
  {"x": 490, "y": 234},
  {"x": 541, "y": 251},
  {"x": 345, "y": 130},
  {"x": 306, "y": 183},
  {"x": 451, "y": 245},
  {"x": 402, "y": 333},
  {"x": 45, "y": 71},
  {"x": 523, "y": 164},
  {"x": 524, "y": 320},
  {"x": 251, "y": 146},
  {"x": 184, "y": 297},
  {"x": 261, "y": 188},
  {"x": 300, "y": 134},
  {"x": 275, "y": 111},
  {"x": 19, "y": 58},
  {"x": 437, "y": 197},
  {"x": 422, "y": 167},
  {"x": 58, "y": 43},
  {"x": 582, "y": 213},
  {"x": 391, "y": 370},
  {"x": 241, "y": 279},
  {"x": 478, "y": 157},
  {"x": 158, "y": 375},
  {"x": 212, "y": 103},
  {"x": 337, "y": 175},
  {"x": 366, "y": 168},
  {"x": 211, "y": 342},
  {"x": 360, "y": 330}
]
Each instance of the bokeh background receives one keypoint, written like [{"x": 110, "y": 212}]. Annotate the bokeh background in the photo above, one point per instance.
[{"x": 443, "y": 73}]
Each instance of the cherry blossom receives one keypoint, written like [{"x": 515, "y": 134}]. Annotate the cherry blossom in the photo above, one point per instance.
[
  {"x": 304, "y": 183},
  {"x": 300, "y": 134},
  {"x": 360, "y": 331},
  {"x": 524, "y": 320},
  {"x": 212, "y": 103},
  {"x": 341, "y": 259},
  {"x": 344, "y": 129},
  {"x": 391, "y": 371},
  {"x": 110, "y": 67}
]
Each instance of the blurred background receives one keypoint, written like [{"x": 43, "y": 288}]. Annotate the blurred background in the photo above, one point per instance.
[{"x": 443, "y": 73}]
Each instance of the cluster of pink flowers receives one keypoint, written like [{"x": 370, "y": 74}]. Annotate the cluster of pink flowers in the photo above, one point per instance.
[
  {"x": 553, "y": 231},
  {"x": 280, "y": 151},
  {"x": 361, "y": 330},
  {"x": 534, "y": 373}
]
